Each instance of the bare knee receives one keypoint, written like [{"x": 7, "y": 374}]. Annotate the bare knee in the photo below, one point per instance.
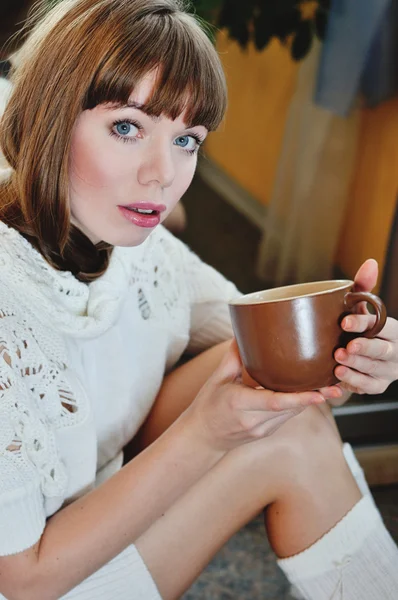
[
  {"x": 317, "y": 488},
  {"x": 311, "y": 448},
  {"x": 301, "y": 453},
  {"x": 315, "y": 426}
]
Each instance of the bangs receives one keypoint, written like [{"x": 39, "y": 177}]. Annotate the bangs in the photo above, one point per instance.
[{"x": 189, "y": 76}]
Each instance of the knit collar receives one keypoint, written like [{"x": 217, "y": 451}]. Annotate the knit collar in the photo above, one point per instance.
[{"x": 57, "y": 297}]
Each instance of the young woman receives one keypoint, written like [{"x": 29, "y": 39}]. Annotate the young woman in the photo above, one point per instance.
[{"x": 111, "y": 101}]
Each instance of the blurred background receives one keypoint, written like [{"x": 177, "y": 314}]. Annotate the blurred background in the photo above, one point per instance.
[{"x": 299, "y": 184}]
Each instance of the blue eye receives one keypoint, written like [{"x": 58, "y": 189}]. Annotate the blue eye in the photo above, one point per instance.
[
  {"x": 123, "y": 128},
  {"x": 183, "y": 141},
  {"x": 126, "y": 128},
  {"x": 190, "y": 143}
]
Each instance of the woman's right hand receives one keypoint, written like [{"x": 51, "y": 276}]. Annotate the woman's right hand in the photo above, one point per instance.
[{"x": 227, "y": 413}]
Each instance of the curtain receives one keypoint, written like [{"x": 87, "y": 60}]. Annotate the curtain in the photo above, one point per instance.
[
  {"x": 389, "y": 288},
  {"x": 310, "y": 194}
]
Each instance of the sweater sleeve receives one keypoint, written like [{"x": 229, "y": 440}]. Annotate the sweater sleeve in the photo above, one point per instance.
[
  {"x": 26, "y": 466},
  {"x": 209, "y": 293}
]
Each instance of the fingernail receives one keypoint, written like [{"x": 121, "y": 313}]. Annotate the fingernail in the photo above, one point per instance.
[
  {"x": 348, "y": 323},
  {"x": 341, "y": 355},
  {"x": 318, "y": 399},
  {"x": 337, "y": 393}
]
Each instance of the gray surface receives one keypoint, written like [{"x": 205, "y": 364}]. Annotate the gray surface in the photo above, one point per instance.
[{"x": 245, "y": 568}]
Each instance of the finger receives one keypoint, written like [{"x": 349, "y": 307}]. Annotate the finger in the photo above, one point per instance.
[
  {"x": 267, "y": 400},
  {"x": 331, "y": 392},
  {"x": 364, "y": 281},
  {"x": 230, "y": 368},
  {"x": 366, "y": 277},
  {"x": 381, "y": 369},
  {"x": 374, "y": 348},
  {"x": 360, "y": 383},
  {"x": 361, "y": 323},
  {"x": 349, "y": 388},
  {"x": 358, "y": 323}
]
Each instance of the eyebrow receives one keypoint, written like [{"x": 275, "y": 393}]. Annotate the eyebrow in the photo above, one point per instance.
[{"x": 142, "y": 108}]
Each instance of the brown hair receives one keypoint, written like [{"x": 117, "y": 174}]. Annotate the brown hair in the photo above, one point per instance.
[{"x": 81, "y": 54}]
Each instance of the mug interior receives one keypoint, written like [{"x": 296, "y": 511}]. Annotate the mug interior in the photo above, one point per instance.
[{"x": 290, "y": 292}]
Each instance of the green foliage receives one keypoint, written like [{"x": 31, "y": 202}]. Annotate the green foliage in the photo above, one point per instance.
[{"x": 260, "y": 21}]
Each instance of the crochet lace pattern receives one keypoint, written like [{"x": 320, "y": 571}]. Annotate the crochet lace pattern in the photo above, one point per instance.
[{"x": 40, "y": 306}]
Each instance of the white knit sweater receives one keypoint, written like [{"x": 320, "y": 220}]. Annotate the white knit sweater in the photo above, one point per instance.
[{"x": 80, "y": 365}]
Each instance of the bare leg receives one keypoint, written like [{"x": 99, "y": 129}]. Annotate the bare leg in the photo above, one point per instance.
[
  {"x": 285, "y": 472},
  {"x": 299, "y": 475}
]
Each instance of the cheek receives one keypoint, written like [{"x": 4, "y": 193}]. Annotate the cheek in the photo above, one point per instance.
[
  {"x": 93, "y": 163},
  {"x": 185, "y": 176}
]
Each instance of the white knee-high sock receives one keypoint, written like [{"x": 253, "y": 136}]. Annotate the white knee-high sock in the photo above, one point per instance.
[
  {"x": 359, "y": 477},
  {"x": 356, "y": 560},
  {"x": 356, "y": 470}
]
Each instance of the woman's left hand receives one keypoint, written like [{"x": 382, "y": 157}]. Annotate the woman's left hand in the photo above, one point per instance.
[{"x": 366, "y": 366}]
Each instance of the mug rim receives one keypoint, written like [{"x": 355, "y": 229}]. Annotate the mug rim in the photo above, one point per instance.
[{"x": 245, "y": 300}]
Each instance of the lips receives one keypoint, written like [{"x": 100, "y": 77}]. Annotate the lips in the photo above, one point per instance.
[
  {"x": 142, "y": 211},
  {"x": 145, "y": 207},
  {"x": 143, "y": 214}
]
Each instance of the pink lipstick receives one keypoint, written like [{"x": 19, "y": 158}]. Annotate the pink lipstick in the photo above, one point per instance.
[{"x": 142, "y": 214}]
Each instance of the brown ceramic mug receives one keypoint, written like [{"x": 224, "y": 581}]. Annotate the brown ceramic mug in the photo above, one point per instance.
[{"x": 287, "y": 336}]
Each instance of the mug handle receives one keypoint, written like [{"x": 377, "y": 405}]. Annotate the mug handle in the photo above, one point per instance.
[{"x": 352, "y": 298}]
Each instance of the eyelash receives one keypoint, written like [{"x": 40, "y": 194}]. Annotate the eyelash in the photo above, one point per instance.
[
  {"x": 122, "y": 138},
  {"x": 199, "y": 141},
  {"x": 127, "y": 140}
]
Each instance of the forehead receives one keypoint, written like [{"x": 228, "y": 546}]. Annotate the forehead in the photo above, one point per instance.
[
  {"x": 143, "y": 92},
  {"x": 144, "y": 89}
]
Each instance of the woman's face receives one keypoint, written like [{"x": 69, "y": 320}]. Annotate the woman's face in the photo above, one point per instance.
[{"x": 128, "y": 170}]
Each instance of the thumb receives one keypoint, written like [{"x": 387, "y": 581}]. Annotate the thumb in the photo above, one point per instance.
[
  {"x": 230, "y": 367},
  {"x": 366, "y": 277}
]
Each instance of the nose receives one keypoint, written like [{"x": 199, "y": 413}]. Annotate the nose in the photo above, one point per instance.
[{"x": 157, "y": 166}]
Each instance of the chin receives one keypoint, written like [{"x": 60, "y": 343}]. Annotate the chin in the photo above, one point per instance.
[{"x": 129, "y": 239}]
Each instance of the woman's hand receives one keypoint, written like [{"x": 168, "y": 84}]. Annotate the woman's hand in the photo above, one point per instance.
[
  {"x": 228, "y": 413},
  {"x": 366, "y": 366}
]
